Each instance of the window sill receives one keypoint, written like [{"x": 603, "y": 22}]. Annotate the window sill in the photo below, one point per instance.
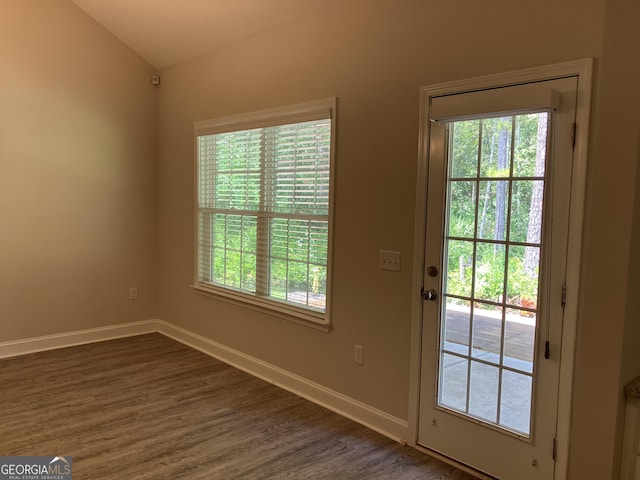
[{"x": 311, "y": 319}]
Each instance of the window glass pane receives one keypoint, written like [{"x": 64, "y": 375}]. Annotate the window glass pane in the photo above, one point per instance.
[
  {"x": 303, "y": 245},
  {"x": 459, "y": 267},
  {"x": 496, "y": 147},
  {"x": 457, "y": 326},
  {"x": 522, "y": 282},
  {"x": 233, "y": 233},
  {"x": 530, "y": 145},
  {"x": 249, "y": 231},
  {"x": 298, "y": 232},
  {"x": 526, "y": 211},
  {"x": 487, "y": 333},
  {"x": 234, "y": 247},
  {"x": 219, "y": 229},
  {"x": 248, "y": 273},
  {"x": 318, "y": 242},
  {"x": 279, "y": 238},
  {"x": 219, "y": 266},
  {"x": 464, "y": 149},
  {"x": 318, "y": 286},
  {"x": 232, "y": 268},
  {"x": 489, "y": 274},
  {"x": 462, "y": 209},
  {"x": 483, "y": 391},
  {"x": 278, "y": 278},
  {"x": 515, "y": 404},
  {"x": 492, "y": 214},
  {"x": 453, "y": 384},
  {"x": 297, "y": 282},
  {"x": 519, "y": 339}
]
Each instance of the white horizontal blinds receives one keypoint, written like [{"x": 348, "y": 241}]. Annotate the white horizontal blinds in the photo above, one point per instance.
[
  {"x": 263, "y": 211},
  {"x": 298, "y": 159},
  {"x": 230, "y": 170}
]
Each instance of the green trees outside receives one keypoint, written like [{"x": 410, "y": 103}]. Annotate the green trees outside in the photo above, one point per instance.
[{"x": 495, "y": 193}]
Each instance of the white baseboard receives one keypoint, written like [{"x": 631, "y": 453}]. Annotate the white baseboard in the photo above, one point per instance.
[
  {"x": 78, "y": 337},
  {"x": 377, "y": 420}
]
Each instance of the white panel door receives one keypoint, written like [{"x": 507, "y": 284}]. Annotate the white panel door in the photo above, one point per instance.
[{"x": 499, "y": 186}]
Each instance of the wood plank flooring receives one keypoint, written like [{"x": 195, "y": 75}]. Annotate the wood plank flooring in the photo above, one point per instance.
[{"x": 148, "y": 407}]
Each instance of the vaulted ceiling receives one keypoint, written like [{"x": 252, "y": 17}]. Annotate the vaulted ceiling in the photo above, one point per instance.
[{"x": 166, "y": 32}]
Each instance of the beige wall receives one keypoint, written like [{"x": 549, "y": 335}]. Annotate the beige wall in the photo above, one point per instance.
[
  {"x": 374, "y": 55},
  {"x": 78, "y": 180},
  {"x": 77, "y": 174},
  {"x": 608, "y": 353}
]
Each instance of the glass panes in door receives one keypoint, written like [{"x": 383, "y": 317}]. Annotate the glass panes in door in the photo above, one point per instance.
[{"x": 492, "y": 248}]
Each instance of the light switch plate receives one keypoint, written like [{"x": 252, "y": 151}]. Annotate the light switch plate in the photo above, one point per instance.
[{"x": 389, "y": 260}]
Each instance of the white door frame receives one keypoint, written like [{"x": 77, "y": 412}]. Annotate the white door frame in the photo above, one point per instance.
[{"x": 582, "y": 69}]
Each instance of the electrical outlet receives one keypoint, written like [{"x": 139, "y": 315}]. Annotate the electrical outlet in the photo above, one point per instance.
[
  {"x": 389, "y": 260},
  {"x": 133, "y": 293},
  {"x": 358, "y": 354}
]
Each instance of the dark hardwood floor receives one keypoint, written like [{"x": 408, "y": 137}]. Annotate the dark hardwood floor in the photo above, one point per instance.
[{"x": 148, "y": 407}]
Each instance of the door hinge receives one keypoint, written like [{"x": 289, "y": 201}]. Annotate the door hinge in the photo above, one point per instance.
[
  {"x": 564, "y": 294},
  {"x": 573, "y": 136},
  {"x": 555, "y": 449}
]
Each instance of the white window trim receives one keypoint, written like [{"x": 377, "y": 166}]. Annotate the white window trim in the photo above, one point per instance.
[{"x": 275, "y": 116}]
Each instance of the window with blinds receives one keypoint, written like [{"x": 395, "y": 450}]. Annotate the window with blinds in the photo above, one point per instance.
[{"x": 264, "y": 208}]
